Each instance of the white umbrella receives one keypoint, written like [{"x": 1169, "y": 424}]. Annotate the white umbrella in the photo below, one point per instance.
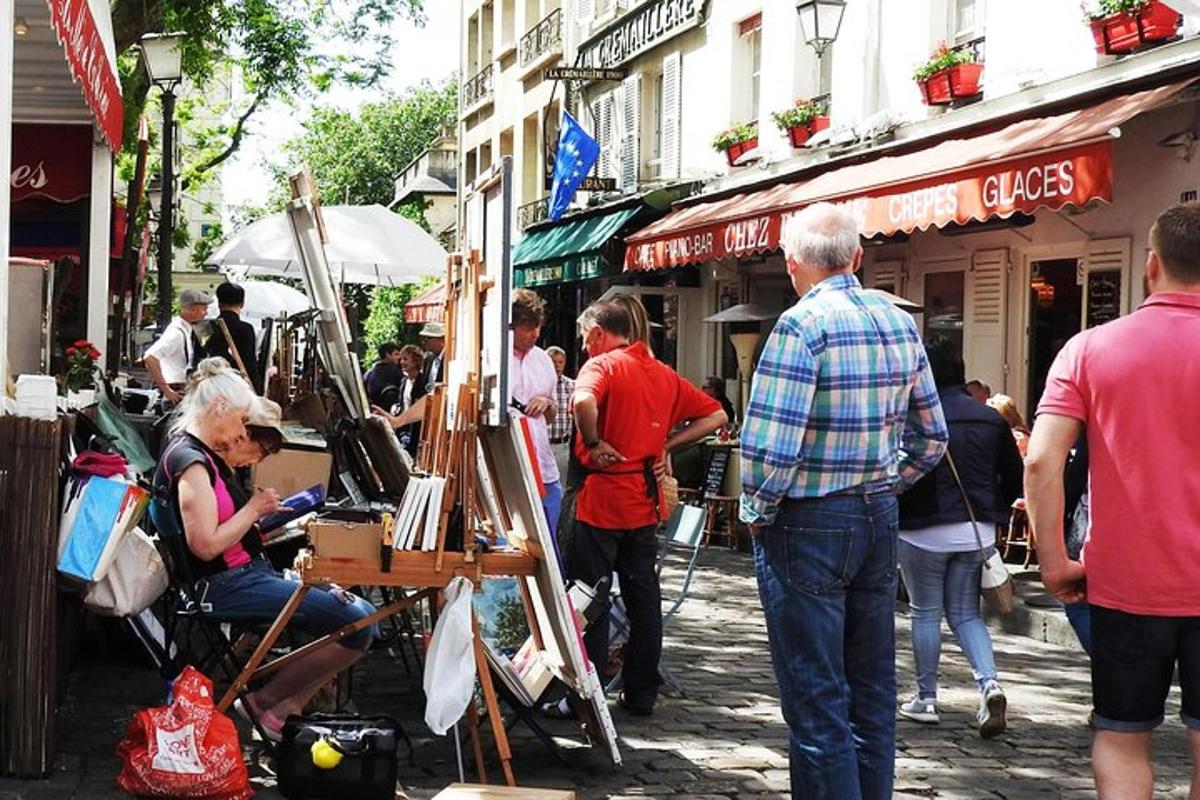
[
  {"x": 267, "y": 299},
  {"x": 367, "y": 244}
]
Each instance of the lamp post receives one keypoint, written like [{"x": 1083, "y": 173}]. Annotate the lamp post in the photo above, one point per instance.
[
  {"x": 820, "y": 21},
  {"x": 164, "y": 67}
]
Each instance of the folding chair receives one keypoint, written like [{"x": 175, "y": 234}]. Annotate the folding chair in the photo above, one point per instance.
[{"x": 684, "y": 533}]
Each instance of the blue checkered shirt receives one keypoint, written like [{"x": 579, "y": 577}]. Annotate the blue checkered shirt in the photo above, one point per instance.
[{"x": 842, "y": 396}]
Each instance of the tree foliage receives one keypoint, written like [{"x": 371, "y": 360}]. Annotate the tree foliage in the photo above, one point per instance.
[{"x": 279, "y": 47}]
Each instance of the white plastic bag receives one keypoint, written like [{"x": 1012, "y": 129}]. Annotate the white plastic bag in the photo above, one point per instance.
[
  {"x": 450, "y": 664},
  {"x": 136, "y": 578}
]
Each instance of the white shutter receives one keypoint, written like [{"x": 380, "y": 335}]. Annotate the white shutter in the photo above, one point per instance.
[
  {"x": 602, "y": 108},
  {"x": 584, "y": 11},
  {"x": 1105, "y": 256},
  {"x": 631, "y": 118},
  {"x": 671, "y": 102},
  {"x": 986, "y": 318},
  {"x": 888, "y": 275}
]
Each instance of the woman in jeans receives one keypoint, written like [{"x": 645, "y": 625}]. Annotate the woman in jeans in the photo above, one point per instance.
[
  {"x": 940, "y": 557},
  {"x": 224, "y": 543}
]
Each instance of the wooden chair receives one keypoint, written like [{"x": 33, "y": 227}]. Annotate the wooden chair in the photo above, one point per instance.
[
  {"x": 1020, "y": 534},
  {"x": 721, "y": 511}
]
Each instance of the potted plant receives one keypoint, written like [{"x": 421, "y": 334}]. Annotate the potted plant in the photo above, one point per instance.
[
  {"x": 1121, "y": 26},
  {"x": 948, "y": 75},
  {"x": 802, "y": 120},
  {"x": 80, "y": 380},
  {"x": 736, "y": 141}
]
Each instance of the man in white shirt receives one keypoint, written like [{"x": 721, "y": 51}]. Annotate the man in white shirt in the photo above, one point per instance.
[
  {"x": 562, "y": 429},
  {"x": 532, "y": 382},
  {"x": 169, "y": 359}
]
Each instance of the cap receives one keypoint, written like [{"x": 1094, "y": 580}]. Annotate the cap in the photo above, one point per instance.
[
  {"x": 433, "y": 330},
  {"x": 194, "y": 297}
]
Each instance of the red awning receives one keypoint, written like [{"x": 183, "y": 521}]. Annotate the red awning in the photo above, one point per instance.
[
  {"x": 1048, "y": 162},
  {"x": 52, "y": 161},
  {"x": 76, "y": 30},
  {"x": 428, "y": 306}
]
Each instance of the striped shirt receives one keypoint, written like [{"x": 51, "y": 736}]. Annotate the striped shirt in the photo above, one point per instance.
[
  {"x": 564, "y": 422},
  {"x": 842, "y": 396}
]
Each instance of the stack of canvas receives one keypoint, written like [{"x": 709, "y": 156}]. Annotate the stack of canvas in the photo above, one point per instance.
[{"x": 418, "y": 514}]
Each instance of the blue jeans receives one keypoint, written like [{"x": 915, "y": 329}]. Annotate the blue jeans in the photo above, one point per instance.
[
  {"x": 552, "y": 505},
  {"x": 827, "y": 581},
  {"x": 946, "y": 583},
  {"x": 1080, "y": 616},
  {"x": 256, "y": 592}
]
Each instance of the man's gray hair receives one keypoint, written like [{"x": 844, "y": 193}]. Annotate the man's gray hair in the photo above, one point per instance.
[{"x": 821, "y": 235}]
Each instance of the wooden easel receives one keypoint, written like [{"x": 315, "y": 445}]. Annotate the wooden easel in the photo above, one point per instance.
[{"x": 450, "y": 452}]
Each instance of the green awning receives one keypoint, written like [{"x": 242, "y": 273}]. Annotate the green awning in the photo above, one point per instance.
[{"x": 569, "y": 251}]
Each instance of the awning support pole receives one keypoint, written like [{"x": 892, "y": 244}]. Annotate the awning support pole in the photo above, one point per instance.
[
  {"x": 99, "y": 234},
  {"x": 6, "y": 123}
]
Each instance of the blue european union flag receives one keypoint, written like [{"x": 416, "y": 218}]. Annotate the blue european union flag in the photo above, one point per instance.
[{"x": 577, "y": 152}]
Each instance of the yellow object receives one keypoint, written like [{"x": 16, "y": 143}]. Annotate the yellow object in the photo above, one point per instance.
[{"x": 325, "y": 755}]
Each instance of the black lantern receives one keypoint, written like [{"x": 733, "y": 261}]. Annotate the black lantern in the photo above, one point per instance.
[{"x": 820, "y": 21}]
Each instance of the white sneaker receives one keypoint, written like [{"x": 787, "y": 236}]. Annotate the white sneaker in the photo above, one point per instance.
[
  {"x": 919, "y": 710},
  {"x": 992, "y": 708}
]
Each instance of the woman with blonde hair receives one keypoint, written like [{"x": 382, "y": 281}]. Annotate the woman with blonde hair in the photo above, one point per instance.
[
  {"x": 639, "y": 317},
  {"x": 197, "y": 500},
  {"x": 1008, "y": 409}
]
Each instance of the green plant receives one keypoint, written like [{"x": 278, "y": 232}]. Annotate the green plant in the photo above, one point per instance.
[
  {"x": 81, "y": 365},
  {"x": 802, "y": 113},
  {"x": 942, "y": 58},
  {"x": 742, "y": 132},
  {"x": 1099, "y": 9}
]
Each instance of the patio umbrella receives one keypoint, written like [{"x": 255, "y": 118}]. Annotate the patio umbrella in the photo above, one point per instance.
[
  {"x": 267, "y": 299},
  {"x": 366, "y": 244}
]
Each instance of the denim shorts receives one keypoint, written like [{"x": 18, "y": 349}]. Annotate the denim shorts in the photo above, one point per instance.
[
  {"x": 257, "y": 592},
  {"x": 1133, "y": 659}
]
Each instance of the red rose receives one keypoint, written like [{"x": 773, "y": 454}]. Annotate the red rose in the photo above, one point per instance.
[
  {"x": 71, "y": 351},
  {"x": 94, "y": 353},
  {"x": 81, "y": 343}
]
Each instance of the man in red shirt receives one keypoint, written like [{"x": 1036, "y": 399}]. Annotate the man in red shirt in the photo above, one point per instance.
[
  {"x": 626, "y": 405},
  {"x": 1132, "y": 384}
]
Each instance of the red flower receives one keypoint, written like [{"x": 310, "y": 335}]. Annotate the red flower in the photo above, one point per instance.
[
  {"x": 82, "y": 343},
  {"x": 71, "y": 351},
  {"x": 94, "y": 353}
]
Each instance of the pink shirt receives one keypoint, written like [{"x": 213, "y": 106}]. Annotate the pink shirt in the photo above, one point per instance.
[
  {"x": 1135, "y": 384},
  {"x": 530, "y": 376}
]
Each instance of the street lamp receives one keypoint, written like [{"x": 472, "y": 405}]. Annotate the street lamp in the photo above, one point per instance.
[
  {"x": 164, "y": 68},
  {"x": 820, "y": 21}
]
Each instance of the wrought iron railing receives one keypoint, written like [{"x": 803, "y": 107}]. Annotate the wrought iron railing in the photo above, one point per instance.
[
  {"x": 531, "y": 213},
  {"x": 543, "y": 38},
  {"x": 478, "y": 88},
  {"x": 975, "y": 47}
]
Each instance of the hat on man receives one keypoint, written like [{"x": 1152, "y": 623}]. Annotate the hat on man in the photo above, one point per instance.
[
  {"x": 433, "y": 330},
  {"x": 193, "y": 297}
]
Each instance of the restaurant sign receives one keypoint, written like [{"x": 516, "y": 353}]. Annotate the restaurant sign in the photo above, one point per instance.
[
  {"x": 646, "y": 26},
  {"x": 76, "y": 30},
  {"x": 578, "y": 268},
  {"x": 1050, "y": 180},
  {"x": 51, "y": 161}
]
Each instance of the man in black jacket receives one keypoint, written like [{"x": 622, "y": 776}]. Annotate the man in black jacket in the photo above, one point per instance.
[{"x": 230, "y": 299}]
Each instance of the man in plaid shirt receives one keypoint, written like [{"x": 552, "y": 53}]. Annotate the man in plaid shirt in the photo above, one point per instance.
[
  {"x": 843, "y": 415},
  {"x": 562, "y": 427}
]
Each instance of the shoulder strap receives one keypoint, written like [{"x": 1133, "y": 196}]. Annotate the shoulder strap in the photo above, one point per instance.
[{"x": 966, "y": 501}]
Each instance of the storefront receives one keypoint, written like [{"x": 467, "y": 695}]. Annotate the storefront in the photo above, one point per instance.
[
  {"x": 61, "y": 120},
  {"x": 573, "y": 262},
  {"x": 1012, "y": 240}
]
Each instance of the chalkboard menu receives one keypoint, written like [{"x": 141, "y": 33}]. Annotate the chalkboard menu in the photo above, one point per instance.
[
  {"x": 714, "y": 475},
  {"x": 1103, "y": 297}
]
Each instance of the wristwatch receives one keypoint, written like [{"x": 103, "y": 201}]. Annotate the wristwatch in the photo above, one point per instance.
[{"x": 592, "y": 444}]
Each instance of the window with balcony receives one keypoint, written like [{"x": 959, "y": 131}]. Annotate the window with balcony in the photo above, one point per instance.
[{"x": 542, "y": 39}]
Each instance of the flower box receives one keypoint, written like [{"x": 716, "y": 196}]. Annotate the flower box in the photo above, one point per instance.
[
  {"x": 1125, "y": 32},
  {"x": 736, "y": 141},
  {"x": 739, "y": 149},
  {"x": 956, "y": 83},
  {"x": 798, "y": 135}
]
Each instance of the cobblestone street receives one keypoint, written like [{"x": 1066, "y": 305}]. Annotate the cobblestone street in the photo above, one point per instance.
[{"x": 724, "y": 739}]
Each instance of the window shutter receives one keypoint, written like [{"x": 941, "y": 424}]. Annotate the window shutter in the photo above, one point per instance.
[
  {"x": 888, "y": 275},
  {"x": 584, "y": 11},
  {"x": 671, "y": 101},
  {"x": 604, "y": 136},
  {"x": 986, "y": 316},
  {"x": 631, "y": 117}
]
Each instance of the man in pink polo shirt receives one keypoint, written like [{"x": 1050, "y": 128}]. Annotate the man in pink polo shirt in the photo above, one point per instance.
[{"x": 1134, "y": 385}]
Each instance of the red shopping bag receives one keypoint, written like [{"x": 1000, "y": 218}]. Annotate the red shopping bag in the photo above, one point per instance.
[{"x": 186, "y": 749}]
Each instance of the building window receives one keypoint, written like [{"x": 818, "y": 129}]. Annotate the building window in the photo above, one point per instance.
[
  {"x": 751, "y": 30},
  {"x": 967, "y": 23},
  {"x": 944, "y": 301},
  {"x": 654, "y": 157}
]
